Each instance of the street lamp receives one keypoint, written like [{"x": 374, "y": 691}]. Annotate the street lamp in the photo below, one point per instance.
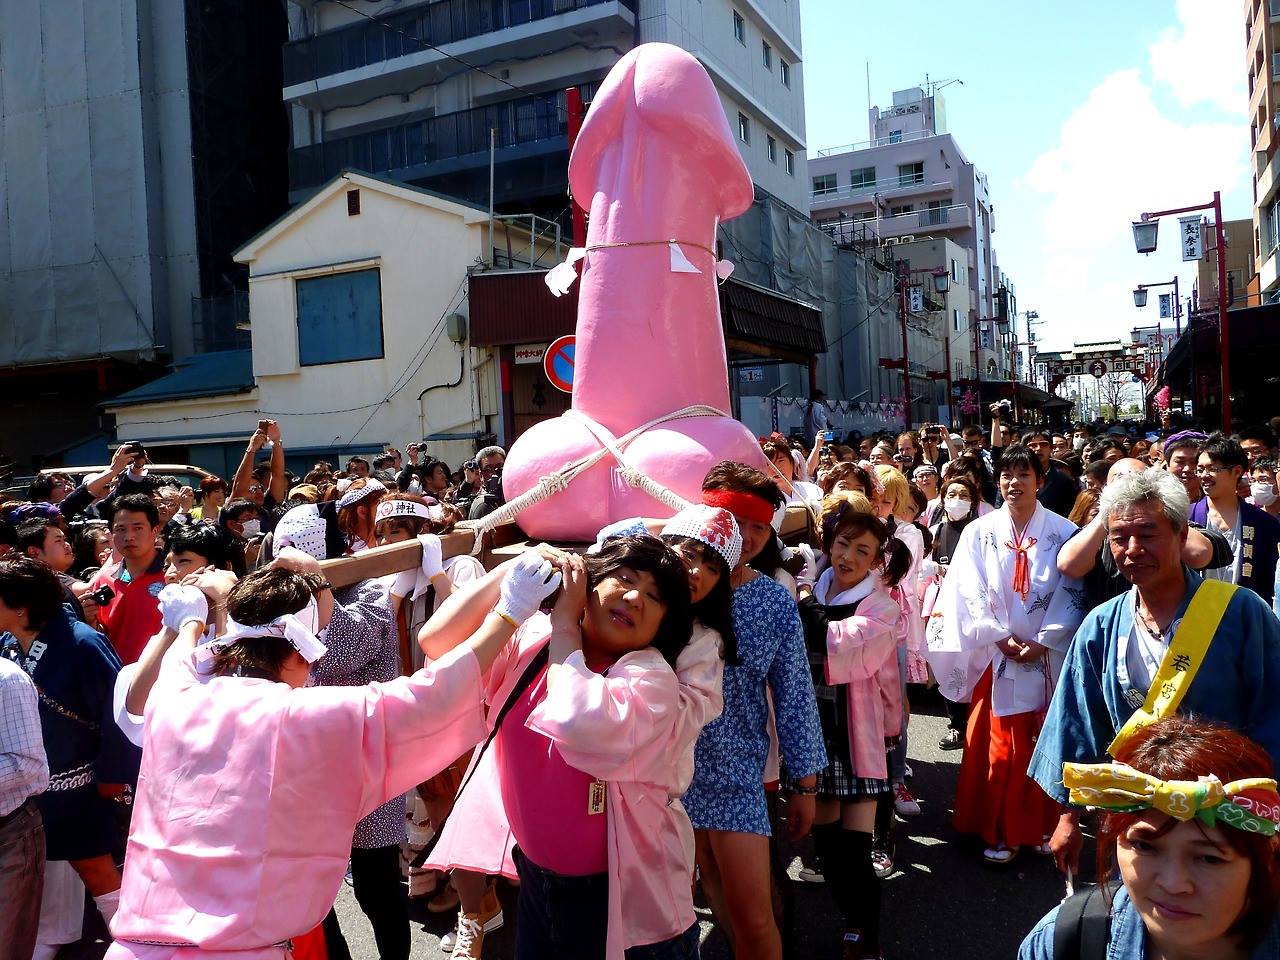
[
  {"x": 1144, "y": 240},
  {"x": 941, "y": 281},
  {"x": 1144, "y": 233},
  {"x": 1140, "y": 299},
  {"x": 1139, "y": 296}
]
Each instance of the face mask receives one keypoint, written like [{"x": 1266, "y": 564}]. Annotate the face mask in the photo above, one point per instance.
[
  {"x": 251, "y": 528},
  {"x": 1264, "y": 494},
  {"x": 957, "y": 509},
  {"x": 1078, "y": 443}
]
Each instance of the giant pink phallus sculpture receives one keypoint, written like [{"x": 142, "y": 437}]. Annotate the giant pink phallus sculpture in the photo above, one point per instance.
[{"x": 657, "y": 168}]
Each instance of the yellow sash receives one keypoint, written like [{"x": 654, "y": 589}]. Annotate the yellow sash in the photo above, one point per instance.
[{"x": 1183, "y": 658}]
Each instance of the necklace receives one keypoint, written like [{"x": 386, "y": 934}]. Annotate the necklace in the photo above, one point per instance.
[{"x": 1151, "y": 624}]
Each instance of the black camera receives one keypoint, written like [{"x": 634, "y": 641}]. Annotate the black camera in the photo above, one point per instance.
[{"x": 102, "y": 596}]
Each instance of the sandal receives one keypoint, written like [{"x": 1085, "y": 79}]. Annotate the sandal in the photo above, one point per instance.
[{"x": 1000, "y": 855}]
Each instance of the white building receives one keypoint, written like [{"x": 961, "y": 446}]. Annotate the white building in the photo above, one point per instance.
[
  {"x": 377, "y": 88},
  {"x": 359, "y": 329},
  {"x": 912, "y": 181}
]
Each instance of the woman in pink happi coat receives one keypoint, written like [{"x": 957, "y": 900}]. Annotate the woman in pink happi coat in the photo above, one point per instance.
[
  {"x": 588, "y": 766},
  {"x": 251, "y": 784}
]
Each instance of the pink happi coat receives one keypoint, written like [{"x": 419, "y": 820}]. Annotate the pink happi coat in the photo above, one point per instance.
[
  {"x": 633, "y": 727},
  {"x": 249, "y": 793},
  {"x": 862, "y": 651}
]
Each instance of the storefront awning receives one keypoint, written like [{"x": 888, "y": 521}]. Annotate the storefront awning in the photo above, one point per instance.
[{"x": 511, "y": 307}]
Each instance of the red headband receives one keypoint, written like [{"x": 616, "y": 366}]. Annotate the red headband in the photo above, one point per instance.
[{"x": 745, "y": 505}]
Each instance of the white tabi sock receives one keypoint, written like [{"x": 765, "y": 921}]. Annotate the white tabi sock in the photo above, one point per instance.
[{"x": 107, "y": 904}]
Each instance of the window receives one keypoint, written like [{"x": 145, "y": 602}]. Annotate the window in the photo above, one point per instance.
[
  {"x": 955, "y": 270},
  {"x": 339, "y": 317},
  {"x": 863, "y": 178},
  {"x": 910, "y": 173},
  {"x": 772, "y": 146},
  {"x": 956, "y": 323},
  {"x": 895, "y": 136},
  {"x": 784, "y": 72},
  {"x": 744, "y": 128},
  {"x": 824, "y": 184},
  {"x": 789, "y": 159},
  {"x": 766, "y": 54},
  {"x": 900, "y": 210},
  {"x": 739, "y": 28}
]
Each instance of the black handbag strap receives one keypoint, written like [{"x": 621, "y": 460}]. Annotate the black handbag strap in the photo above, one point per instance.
[
  {"x": 1083, "y": 926},
  {"x": 535, "y": 667}
]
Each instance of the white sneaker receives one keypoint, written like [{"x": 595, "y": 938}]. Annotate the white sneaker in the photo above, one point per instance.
[
  {"x": 810, "y": 875},
  {"x": 903, "y": 802},
  {"x": 468, "y": 938},
  {"x": 488, "y": 924},
  {"x": 882, "y": 863}
]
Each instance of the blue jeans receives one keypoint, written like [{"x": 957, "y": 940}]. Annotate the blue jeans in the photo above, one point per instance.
[{"x": 567, "y": 918}]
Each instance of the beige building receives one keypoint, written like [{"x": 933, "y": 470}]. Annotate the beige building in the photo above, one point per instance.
[
  {"x": 1262, "y": 65},
  {"x": 360, "y": 337},
  {"x": 1241, "y": 268}
]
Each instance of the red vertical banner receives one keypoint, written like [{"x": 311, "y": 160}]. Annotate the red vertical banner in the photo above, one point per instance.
[{"x": 577, "y": 114}]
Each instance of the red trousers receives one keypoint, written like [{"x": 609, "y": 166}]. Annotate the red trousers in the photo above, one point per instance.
[{"x": 994, "y": 796}]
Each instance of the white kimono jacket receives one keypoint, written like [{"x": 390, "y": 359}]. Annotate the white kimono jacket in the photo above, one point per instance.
[{"x": 977, "y": 607}]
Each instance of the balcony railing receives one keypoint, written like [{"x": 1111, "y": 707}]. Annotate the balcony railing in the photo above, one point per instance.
[
  {"x": 865, "y": 190},
  {"x": 421, "y": 142},
  {"x": 410, "y": 31},
  {"x": 904, "y": 224},
  {"x": 880, "y": 142}
]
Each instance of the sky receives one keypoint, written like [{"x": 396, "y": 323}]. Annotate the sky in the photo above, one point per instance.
[{"x": 1083, "y": 115}]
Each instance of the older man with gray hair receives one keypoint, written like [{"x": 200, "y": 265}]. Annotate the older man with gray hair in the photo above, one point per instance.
[{"x": 1174, "y": 643}]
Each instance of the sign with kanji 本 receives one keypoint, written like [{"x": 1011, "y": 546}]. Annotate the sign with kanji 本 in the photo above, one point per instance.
[{"x": 1192, "y": 237}]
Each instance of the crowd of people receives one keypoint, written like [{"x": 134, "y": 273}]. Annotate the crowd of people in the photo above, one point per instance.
[{"x": 620, "y": 731}]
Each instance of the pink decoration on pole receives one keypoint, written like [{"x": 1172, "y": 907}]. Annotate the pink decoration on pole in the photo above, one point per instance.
[
  {"x": 1162, "y": 398},
  {"x": 655, "y": 162}
]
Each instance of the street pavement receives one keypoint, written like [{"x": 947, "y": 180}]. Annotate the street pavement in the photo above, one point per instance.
[{"x": 942, "y": 901}]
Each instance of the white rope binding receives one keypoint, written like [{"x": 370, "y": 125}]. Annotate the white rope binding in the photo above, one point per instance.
[{"x": 559, "y": 480}]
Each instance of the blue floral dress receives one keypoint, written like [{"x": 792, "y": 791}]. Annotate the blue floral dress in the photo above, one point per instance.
[{"x": 727, "y": 792}]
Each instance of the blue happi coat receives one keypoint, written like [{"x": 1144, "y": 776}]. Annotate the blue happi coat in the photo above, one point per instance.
[{"x": 1238, "y": 684}]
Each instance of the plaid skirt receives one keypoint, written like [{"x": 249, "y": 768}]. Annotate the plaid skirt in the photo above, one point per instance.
[{"x": 838, "y": 782}]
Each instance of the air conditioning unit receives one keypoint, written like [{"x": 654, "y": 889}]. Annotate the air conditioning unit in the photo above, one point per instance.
[{"x": 909, "y": 238}]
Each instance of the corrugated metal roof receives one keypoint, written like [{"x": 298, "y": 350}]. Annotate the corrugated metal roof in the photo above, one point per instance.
[
  {"x": 514, "y": 306},
  {"x": 769, "y": 319},
  {"x": 199, "y": 375}
]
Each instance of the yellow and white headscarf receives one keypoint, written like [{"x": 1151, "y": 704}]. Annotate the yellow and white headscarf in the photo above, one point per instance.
[{"x": 1252, "y": 805}]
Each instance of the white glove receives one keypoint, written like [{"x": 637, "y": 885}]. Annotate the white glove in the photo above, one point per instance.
[
  {"x": 432, "y": 555},
  {"x": 179, "y": 605},
  {"x": 930, "y": 568},
  {"x": 404, "y": 583},
  {"x": 808, "y": 576},
  {"x": 527, "y": 584}
]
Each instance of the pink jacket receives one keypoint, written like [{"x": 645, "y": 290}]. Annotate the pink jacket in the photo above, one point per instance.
[
  {"x": 249, "y": 793},
  {"x": 634, "y": 727},
  {"x": 862, "y": 651}
]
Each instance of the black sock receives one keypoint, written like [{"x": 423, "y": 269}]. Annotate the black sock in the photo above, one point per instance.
[
  {"x": 835, "y": 869},
  {"x": 863, "y": 912},
  {"x": 884, "y": 823}
]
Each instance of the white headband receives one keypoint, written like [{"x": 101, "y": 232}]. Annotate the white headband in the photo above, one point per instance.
[
  {"x": 406, "y": 508},
  {"x": 297, "y": 628}
]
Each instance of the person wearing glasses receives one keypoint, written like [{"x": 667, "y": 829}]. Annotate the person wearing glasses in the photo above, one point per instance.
[
  {"x": 490, "y": 461},
  {"x": 1253, "y": 533}
]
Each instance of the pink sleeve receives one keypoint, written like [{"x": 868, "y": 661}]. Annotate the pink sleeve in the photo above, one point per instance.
[
  {"x": 859, "y": 645},
  {"x": 616, "y": 727},
  {"x": 409, "y": 729}
]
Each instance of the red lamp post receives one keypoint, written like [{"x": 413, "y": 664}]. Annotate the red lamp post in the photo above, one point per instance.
[{"x": 1144, "y": 238}]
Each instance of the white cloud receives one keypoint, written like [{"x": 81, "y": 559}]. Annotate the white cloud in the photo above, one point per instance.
[
  {"x": 1201, "y": 60},
  {"x": 1118, "y": 154}
]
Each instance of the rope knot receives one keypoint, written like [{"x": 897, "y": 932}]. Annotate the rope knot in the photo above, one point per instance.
[{"x": 554, "y": 483}]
